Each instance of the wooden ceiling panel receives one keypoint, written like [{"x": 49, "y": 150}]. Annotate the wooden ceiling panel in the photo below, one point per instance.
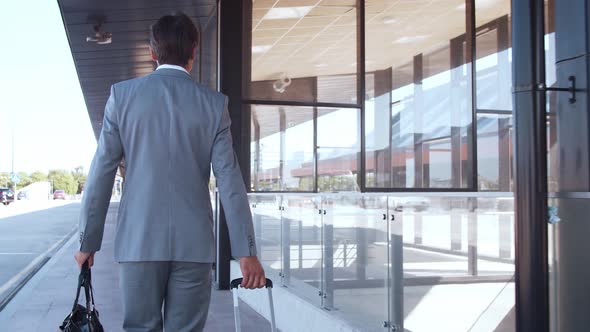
[
  {"x": 309, "y": 32},
  {"x": 257, "y": 4},
  {"x": 331, "y": 11},
  {"x": 150, "y": 14},
  {"x": 348, "y": 3},
  {"x": 269, "y": 33},
  {"x": 296, "y": 3},
  {"x": 346, "y": 20},
  {"x": 100, "y": 66},
  {"x": 276, "y": 24},
  {"x": 316, "y": 21},
  {"x": 70, "y": 6}
]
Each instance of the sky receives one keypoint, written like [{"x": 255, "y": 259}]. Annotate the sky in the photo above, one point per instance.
[{"x": 40, "y": 96}]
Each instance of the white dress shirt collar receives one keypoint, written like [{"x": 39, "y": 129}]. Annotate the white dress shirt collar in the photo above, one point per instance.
[{"x": 167, "y": 66}]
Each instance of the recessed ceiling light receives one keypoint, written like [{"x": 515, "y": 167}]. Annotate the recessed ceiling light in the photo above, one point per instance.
[
  {"x": 388, "y": 20},
  {"x": 321, "y": 65},
  {"x": 409, "y": 39},
  {"x": 282, "y": 13},
  {"x": 261, "y": 48}
]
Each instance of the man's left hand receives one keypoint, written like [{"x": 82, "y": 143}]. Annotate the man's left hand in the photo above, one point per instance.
[{"x": 82, "y": 257}]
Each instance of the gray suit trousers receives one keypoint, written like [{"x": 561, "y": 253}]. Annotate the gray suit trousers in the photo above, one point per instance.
[{"x": 169, "y": 296}]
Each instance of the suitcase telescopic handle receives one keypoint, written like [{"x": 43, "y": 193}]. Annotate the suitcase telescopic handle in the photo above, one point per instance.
[{"x": 237, "y": 282}]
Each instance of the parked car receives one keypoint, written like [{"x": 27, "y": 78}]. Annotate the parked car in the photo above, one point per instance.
[
  {"x": 22, "y": 195},
  {"x": 6, "y": 196},
  {"x": 59, "y": 194},
  {"x": 417, "y": 204}
]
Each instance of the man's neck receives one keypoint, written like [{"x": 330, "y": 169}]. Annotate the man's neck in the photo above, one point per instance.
[{"x": 176, "y": 67}]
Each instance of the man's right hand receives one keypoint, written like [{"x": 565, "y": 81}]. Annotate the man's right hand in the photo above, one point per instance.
[{"x": 252, "y": 272}]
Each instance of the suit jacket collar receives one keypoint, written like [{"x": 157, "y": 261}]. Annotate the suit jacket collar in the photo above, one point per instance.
[{"x": 172, "y": 72}]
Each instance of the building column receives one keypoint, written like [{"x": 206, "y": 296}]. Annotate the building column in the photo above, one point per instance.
[{"x": 531, "y": 277}]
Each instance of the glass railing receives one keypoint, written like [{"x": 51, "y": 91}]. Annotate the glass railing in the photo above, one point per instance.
[{"x": 394, "y": 262}]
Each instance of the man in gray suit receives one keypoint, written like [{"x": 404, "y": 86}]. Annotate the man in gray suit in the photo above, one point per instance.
[{"x": 170, "y": 131}]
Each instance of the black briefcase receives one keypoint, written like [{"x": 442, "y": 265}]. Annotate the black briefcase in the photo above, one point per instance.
[{"x": 83, "y": 319}]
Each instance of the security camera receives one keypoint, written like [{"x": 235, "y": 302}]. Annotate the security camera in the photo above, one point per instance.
[
  {"x": 282, "y": 83},
  {"x": 100, "y": 37}
]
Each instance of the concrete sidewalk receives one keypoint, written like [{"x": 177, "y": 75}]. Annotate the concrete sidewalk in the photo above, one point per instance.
[{"x": 46, "y": 299}]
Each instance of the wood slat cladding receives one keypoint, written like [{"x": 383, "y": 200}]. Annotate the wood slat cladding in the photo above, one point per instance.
[{"x": 100, "y": 66}]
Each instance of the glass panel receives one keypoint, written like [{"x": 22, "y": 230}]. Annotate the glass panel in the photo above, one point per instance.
[
  {"x": 302, "y": 246},
  {"x": 418, "y": 102},
  {"x": 267, "y": 227},
  {"x": 338, "y": 149},
  {"x": 356, "y": 260},
  {"x": 551, "y": 81},
  {"x": 494, "y": 152},
  {"x": 494, "y": 61},
  {"x": 458, "y": 262},
  {"x": 494, "y": 96},
  {"x": 426, "y": 262},
  {"x": 304, "y": 51},
  {"x": 568, "y": 276},
  {"x": 208, "y": 52},
  {"x": 282, "y": 148},
  {"x": 495, "y": 236}
]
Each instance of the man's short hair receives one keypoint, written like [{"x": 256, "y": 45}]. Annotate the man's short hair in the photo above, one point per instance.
[{"x": 173, "y": 38}]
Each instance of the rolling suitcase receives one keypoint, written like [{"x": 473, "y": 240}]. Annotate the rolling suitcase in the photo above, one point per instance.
[{"x": 234, "y": 285}]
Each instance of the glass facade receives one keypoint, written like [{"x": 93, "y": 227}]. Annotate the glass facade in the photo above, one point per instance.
[
  {"x": 302, "y": 90},
  {"x": 304, "y": 52},
  {"x": 282, "y": 148},
  {"x": 418, "y": 110},
  {"x": 493, "y": 72},
  {"x": 425, "y": 263},
  {"x": 391, "y": 96},
  {"x": 418, "y": 102}
]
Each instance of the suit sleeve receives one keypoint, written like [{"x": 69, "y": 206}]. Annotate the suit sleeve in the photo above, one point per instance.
[
  {"x": 232, "y": 190},
  {"x": 101, "y": 177}
]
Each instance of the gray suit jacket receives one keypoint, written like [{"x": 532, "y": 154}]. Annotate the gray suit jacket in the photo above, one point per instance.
[{"x": 170, "y": 131}]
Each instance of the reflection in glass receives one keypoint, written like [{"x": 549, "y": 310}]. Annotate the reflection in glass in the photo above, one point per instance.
[
  {"x": 356, "y": 260},
  {"x": 425, "y": 262},
  {"x": 266, "y": 218},
  {"x": 207, "y": 69},
  {"x": 302, "y": 246},
  {"x": 418, "y": 110},
  {"x": 338, "y": 149},
  {"x": 494, "y": 64},
  {"x": 493, "y": 70},
  {"x": 304, "y": 51},
  {"x": 551, "y": 107},
  {"x": 282, "y": 148},
  {"x": 494, "y": 152}
]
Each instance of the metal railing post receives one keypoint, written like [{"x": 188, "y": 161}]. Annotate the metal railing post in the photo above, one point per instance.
[
  {"x": 396, "y": 272},
  {"x": 472, "y": 236},
  {"x": 285, "y": 246},
  {"x": 328, "y": 291},
  {"x": 361, "y": 253}
]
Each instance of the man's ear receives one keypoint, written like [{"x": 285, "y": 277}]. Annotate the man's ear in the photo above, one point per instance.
[
  {"x": 194, "y": 54},
  {"x": 153, "y": 55}
]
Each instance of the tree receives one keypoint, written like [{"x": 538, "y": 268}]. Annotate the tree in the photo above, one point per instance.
[
  {"x": 5, "y": 180},
  {"x": 38, "y": 176},
  {"x": 63, "y": 180},
  {"x": 25, "y": 179},
  {"x": 80, "y": 178}
]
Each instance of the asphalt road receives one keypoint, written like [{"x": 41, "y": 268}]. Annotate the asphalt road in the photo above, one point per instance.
[{"x": 30, "y": 228}]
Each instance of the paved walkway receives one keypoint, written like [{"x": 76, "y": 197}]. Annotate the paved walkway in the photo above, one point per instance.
[{"x": 46, "y": 299}]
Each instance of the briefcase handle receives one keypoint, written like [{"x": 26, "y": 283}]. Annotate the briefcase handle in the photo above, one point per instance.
[
  {"x": 237, "y": 282},
  {"x": 85, "y": 281}
]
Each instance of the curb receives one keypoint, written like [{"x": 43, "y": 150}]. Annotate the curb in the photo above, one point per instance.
[{"x": 11, "y": 288}]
